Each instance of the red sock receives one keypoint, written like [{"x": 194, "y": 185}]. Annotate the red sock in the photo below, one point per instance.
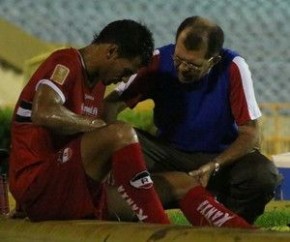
[
  {"x": 201, "y": 209},
  {"x": 135, "y": 185}
]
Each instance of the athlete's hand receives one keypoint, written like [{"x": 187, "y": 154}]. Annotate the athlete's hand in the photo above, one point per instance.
[{"x": 203, "y": 173}]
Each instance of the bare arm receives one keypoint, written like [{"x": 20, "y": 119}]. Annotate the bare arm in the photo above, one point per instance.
[
  {"x": 112, "y": 107},
  {"x": 246, "y": 141},
  {"x": 48, "y": 111}
]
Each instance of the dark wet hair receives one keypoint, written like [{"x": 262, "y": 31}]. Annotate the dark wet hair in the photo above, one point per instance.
[
  {"x": 132, "y": 38},
  {"x": 200, "y": 32}
]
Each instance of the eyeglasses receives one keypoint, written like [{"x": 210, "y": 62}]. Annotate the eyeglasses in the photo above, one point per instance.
[{"x": 188, "y": 65}]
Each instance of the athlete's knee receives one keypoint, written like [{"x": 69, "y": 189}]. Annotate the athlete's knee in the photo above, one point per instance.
[
  {"x": 267, "y": 180},
  {"x": 122, "y": 133}
]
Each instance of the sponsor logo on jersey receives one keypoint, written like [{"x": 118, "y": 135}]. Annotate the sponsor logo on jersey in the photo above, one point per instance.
[
  {"x": 212, "y": 214},
  {"x": 89, "y": 97},
  {"x": 64, "y": 155},
  {"x": 142, "y": 180},
  {"x": 59, "y": 74},
  {"x": 138, "y": 211},
  {"x": 90, "y": 111}
]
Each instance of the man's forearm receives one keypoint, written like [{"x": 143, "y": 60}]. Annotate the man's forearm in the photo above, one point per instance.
[
  {"x": 66, "y": 122},
  {"x": 246, "y": 141}
]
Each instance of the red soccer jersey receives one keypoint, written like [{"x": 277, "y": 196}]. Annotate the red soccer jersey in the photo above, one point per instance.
[{"x": 64, "y": 72}]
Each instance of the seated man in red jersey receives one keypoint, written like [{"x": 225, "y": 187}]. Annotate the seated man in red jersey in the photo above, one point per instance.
[
  {"x": 62, "y": 149},
  {"x": 206, "y": 116}
]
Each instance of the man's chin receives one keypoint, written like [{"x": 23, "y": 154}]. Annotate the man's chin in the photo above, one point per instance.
[{"x": 187, "y": 80}]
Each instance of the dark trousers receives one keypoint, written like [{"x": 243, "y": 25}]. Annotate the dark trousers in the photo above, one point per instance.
[{"x": 245, "y": 186}]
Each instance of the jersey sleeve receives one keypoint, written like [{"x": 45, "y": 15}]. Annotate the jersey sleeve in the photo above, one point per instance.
[
  {"x": 139, "y": 87},
  {"x": 242, "y": 97},
  {"x": 57, "y": 72}
]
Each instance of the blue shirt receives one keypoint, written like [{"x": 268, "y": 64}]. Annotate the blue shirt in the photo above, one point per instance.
[{"x": 197, "y": 117}]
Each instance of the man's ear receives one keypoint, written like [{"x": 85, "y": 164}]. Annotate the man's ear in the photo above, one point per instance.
[
  {"x": 112, "y": 51},
  {"x": 216, "y": 59}
]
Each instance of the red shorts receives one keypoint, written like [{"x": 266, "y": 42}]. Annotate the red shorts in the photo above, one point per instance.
[{"x": 62, "y": 190}]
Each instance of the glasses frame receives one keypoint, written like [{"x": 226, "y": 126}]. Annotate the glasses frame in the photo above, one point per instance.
[{"x": 190, "y": 66}]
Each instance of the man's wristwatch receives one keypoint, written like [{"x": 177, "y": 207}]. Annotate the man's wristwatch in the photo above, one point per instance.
[{"x": 216, "y": 166}]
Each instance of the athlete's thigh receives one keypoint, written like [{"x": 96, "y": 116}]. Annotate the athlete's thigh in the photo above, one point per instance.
[{"x": 60, "y": 189}]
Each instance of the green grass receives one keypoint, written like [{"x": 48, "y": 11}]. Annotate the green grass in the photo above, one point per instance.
[
  {"x": 274, "y": 218},
  {"x": 141, "y": 120},
  {"x": 176, "y": 217}
]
